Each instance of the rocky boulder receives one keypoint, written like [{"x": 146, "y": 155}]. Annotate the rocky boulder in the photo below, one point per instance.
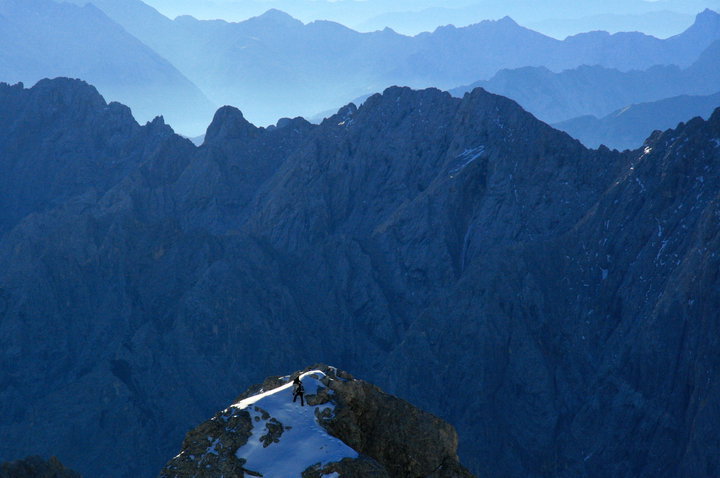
[{"x": 359, "y": 430}]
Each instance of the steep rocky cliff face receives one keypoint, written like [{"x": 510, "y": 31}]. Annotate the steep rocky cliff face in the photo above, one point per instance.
[
  {"x": 347, "y": 428},
  {"x": 601, "y": 337},
  {"x": 556, "y": 304}
]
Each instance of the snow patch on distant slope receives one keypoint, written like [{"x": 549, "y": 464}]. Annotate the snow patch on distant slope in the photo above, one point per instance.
[{"x": 301, "y": 440}]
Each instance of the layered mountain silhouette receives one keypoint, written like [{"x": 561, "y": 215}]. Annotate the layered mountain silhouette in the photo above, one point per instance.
[
  {"x": 275, "y": 66},
  {"x": 628, "y": 127},
  {"x": 556, "y": 304},
  {"x": 42, "y": 38},
  {"x": 598, "y": 91}
]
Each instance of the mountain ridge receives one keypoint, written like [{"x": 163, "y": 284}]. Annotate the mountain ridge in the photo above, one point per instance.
[{"x": 461, "y": 233}]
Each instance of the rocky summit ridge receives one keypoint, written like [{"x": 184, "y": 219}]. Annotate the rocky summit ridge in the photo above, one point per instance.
[{"x": 347, "y": 428}]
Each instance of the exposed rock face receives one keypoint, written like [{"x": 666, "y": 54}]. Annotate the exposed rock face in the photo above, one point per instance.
[
  {"x": 405, "y": 440},
  {"x": 432, "y": 244},
  {"x": 393, "y": 438},
  {"x": 36, "y": 467}
]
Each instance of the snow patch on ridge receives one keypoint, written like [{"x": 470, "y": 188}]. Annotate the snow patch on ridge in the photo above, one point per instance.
[{"x": 302, "y": 442}]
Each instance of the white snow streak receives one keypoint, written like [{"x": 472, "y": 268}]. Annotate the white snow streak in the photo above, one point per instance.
[{"x": 467, "y": 157}]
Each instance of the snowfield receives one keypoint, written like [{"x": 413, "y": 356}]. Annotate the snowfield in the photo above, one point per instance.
[{"x": 303, "y": 441}]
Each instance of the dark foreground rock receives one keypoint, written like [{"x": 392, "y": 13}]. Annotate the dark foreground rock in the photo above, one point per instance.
[{"x": 36, "y": 467}]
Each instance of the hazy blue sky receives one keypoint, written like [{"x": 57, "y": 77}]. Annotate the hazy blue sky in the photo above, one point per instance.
[{"x": 556, "y": 17}]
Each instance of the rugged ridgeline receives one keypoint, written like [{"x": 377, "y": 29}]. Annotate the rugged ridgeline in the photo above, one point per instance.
[
  {"x": 557, "y": 305},
  {"x": 347, "y": 428}
]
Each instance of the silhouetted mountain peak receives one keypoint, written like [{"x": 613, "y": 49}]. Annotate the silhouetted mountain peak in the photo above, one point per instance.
[
  {"x": 707, "y": 15},
  {"x": 400, "y": 94},
  {"x": 158, "y": 127},
  {"x": 67, "y": 91},
  {"x": 707, "y": 24},
  {"x": 297, "y": 122},
  {"x": 277, "y": 17},
  {"x": 229, "y": 123}
]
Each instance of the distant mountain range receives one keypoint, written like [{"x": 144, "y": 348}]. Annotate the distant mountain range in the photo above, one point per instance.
[
  {"x": 42, "y": 38},
  {"x": 598, "y": 91},
  {"x": 273, "y": 65},
  {"x": 628, "y": 127},
  {"x": 660, "y": 24},
  {"x": 414, "y": 16}
]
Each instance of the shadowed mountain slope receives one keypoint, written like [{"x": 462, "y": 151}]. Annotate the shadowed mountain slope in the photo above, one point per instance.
[{"x": 555, "y": 304}]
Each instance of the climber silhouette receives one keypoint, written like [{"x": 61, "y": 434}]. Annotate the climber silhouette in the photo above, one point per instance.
[{"x": 298, "y": 391}]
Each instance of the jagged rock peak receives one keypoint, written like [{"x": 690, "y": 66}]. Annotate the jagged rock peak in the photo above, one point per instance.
[
  {"x": 13, "y": 86},
  {"x": 297, "y": 122},
  {"x": 65, "y": 99},
  {"x": 347, "y": 426},
  {"x": 344, "y": 115},
  {"x": 229, "y": 123},
  {"x": 66, "y": 91},
  {"x": 401, "y": 98},
  {"x": 159, "y": 127}
]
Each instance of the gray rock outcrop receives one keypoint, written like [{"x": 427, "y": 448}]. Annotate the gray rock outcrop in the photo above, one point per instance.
[{"x": 393, "y": 438}]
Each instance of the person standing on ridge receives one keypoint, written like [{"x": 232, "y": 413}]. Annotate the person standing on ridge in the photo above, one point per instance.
[{"x": 298, "y": 391}]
